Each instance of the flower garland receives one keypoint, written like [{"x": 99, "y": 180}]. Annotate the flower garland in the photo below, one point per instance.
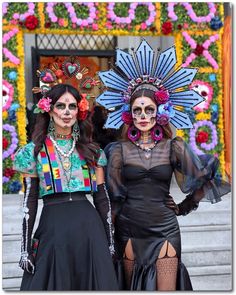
[
  {"x": 7, "y": 93},
  {"x": 206, "y": 91},
  {"x": 203, "y": 145},
  {"x": 6, "y": 52},
  {"x": 18, "y": 16},
  {"x": 21, "y": 113},
  {"x": 111, "y": 15},
  {"x": 14, "y": 140},
  {"x": 200, "y": 49},
  {"x": 191, "y": 13},
  {"x": 83, "y": 22}
]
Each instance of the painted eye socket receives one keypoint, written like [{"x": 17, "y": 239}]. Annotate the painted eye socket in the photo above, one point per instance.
[
  {"x": 60, "y": 106},
  {"x": 137, "y": 111},
  {"x": 72, "y": 106},
  {"x": 149, "y": 110}
]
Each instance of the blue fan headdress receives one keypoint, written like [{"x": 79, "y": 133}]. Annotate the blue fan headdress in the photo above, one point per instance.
[{"x": 146, "y": 70}]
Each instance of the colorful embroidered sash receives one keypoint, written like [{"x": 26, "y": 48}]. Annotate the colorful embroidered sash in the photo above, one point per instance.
[{"x": 52, "y": 175}]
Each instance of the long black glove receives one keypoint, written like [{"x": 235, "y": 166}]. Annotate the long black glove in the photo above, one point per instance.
[
  {"x": 183, "y": 208},
  {"x": 30, "y": 206},
  {"x": 102, "y": 204}
]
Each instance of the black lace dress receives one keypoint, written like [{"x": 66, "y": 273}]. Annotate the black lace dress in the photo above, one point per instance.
[{"x": 138, "y": 188}]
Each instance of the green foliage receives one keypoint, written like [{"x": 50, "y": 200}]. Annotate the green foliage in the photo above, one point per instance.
[{"x": 121, "y": 9}]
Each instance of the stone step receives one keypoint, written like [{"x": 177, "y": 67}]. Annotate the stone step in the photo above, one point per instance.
[
  {"x": 212, "y": 278},
  {"x": 11, "y": 284},
  {"x": 209, "y": 235},
  {"x": 206, "y": 255},
  {"x": 11, "y": 270}
]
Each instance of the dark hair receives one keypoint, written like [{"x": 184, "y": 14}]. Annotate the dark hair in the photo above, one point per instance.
[
  {"x": 85, "y": 146},
  {"x": 167, "y": 132}
]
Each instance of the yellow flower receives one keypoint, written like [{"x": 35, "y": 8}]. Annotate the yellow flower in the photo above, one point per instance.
[{"x": 4, "y": 115}]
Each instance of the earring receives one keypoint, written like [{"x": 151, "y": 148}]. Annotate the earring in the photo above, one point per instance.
[
  {"x": 76, "y": 131},
  {"x": 133, "y": 133},
  {"x": 51, "y": 127},
  {"x": 156, "y": 133}
]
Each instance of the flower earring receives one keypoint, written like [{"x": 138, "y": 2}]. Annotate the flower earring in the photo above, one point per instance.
[
  {"x": 51, "y": 127},
  {"x": 133, "y": 133},
  {"x": 156, "y": 133},
  {"x": 76, "y": 131}
]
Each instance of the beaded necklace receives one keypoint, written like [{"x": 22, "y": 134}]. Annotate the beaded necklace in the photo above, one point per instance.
[
  {"x": 147, "y": 150},
  {"x": 66, "y": 163}
]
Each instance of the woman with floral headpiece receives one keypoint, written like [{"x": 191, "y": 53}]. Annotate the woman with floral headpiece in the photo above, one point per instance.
[
  {"x": 140, "y": 168},
  {"x": 73, "y": 244}
]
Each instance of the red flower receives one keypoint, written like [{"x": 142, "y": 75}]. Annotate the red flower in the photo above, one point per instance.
[
  {"x": 47, "y": 25},
  {"x": 5, "y": 143},
  {"x": 8, "y": 172},
  {"x": 31, "y": 22},
  {"x": 179, "y": 27},
  {"x": 167, "y": 28},
  {"x": 127, "y": 118},
  {"x": 202, "y": 136},
  {"x": 198, "y": 50},
  {"x": 82, "y": 115}
]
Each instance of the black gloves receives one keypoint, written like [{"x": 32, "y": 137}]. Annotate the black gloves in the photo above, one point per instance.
[
  {"x": 30, "y": 206},
  {"x": 102, "y": 204},
  {"x": 183, "y": 208}
]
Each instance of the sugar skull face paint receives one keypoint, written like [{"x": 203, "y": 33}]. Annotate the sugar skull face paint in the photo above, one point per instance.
[
  {"x": 65, "y": 111},
  {"x": 144, "y": 112}
]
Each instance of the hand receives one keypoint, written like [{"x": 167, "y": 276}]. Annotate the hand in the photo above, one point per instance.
[
  {"x": 170, "y": 203},
  {"x": 27, "y": 262}
]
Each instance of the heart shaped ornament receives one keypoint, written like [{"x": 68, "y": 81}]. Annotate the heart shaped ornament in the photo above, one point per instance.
[
  {"x": 71, "y": 68},
  {"x": 47, "y": 76}
]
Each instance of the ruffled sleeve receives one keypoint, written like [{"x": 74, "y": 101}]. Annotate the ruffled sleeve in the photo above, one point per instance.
[
  {"x": 24, "y": 160},
  {"x": 114, "y": 177},
  {"x": 102, "y": 160},
  {"x": 195, "y": 173}
]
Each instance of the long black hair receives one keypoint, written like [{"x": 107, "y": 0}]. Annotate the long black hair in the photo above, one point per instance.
[{"x": 85, "y": 146}]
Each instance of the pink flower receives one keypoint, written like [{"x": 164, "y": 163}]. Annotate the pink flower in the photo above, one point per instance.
[
  {"x": 44, "y": 104},
  {"x": 143, "y": 26},
  {"x": 61, "y": 22},
  {"x": 95, "y": 27},
  {"x": 162, "y": 96}
]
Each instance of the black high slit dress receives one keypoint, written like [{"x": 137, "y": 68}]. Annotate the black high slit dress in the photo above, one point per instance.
[{"x": 138, "y": 188}]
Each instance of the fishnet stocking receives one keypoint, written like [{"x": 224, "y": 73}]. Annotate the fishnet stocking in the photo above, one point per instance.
[
  {"x": 128, "y": 266},
  {"x": 166, "y": 273}
]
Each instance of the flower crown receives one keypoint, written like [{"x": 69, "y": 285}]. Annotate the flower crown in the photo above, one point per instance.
[
  {"x": 52, "y": 76},
  {"x": 146, "y": 70}
]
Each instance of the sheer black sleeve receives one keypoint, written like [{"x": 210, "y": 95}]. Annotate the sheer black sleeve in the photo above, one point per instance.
[
  {"x": 30, "y": 206},
  {"x": 102, "y": 204},
  {"x": 195, "y": 175},
  {"x": 114, "y": 177}
]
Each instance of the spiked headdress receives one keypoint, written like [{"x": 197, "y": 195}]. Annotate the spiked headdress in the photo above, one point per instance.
[{"x": 146, "y": 70}]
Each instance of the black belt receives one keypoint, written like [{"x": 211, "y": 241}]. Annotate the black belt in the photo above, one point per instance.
[{"x": 63, "y": 197}]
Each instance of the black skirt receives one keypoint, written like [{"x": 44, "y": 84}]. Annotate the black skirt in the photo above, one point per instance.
[{"x": 72, "y": 251}]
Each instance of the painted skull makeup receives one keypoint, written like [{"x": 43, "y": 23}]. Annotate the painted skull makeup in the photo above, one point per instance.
[
  {"x": 144, "y": 111},
  {"x": 65, "y": 111}
]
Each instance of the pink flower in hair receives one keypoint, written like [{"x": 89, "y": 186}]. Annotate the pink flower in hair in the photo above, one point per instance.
[
  {"x": 162, "y": 96},
  {"x": 44, "y": 105}
]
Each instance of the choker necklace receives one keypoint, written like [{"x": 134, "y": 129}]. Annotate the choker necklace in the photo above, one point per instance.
[
  {"x": 145, "y": 142},
  {"x": 62, "y": 136},
  {"x": 147, "y": 151}
]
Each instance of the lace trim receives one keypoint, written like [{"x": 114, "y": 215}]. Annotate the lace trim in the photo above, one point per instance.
[
  {"x": 109, "y": 221},
  {"x": 25, "y": 216}
]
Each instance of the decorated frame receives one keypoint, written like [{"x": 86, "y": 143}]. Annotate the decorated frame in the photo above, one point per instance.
[{"x": 196, "y": 27}]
